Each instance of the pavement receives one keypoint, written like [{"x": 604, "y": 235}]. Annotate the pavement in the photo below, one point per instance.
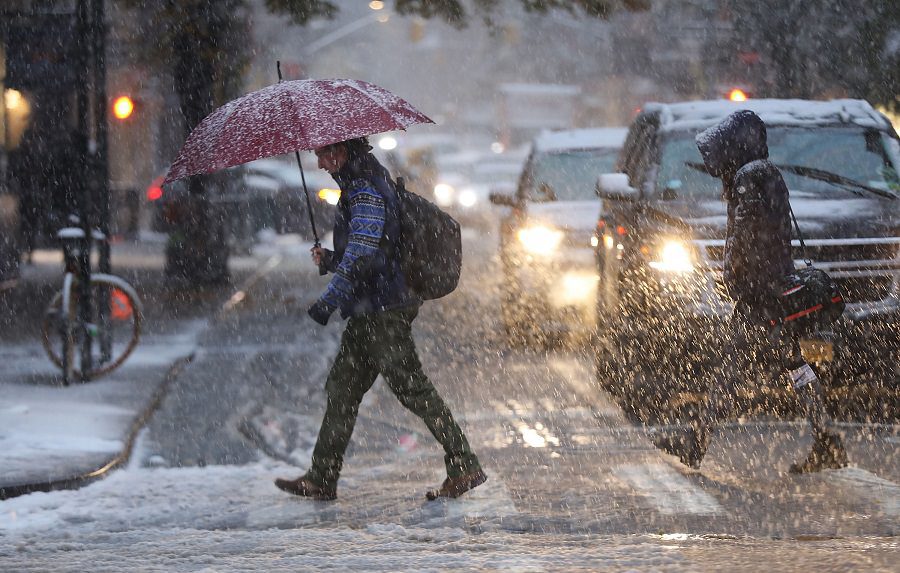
[{"x": 54, "y": 436}]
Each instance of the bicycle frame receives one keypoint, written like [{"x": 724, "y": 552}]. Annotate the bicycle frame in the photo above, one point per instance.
[
  {"x": 77, "y": 246},
  {"x": 101, "y": 309}
]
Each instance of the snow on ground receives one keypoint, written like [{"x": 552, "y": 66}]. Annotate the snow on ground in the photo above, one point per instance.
[
  {"x": 41, "y": 427},
  {"x": 53, "y": 432},
  {"x": 233, "y": 519}
]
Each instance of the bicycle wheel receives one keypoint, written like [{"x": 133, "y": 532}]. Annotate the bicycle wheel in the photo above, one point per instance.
[
  {"x": 58, "y": 329},
  {"x": 121, "y": 326}
]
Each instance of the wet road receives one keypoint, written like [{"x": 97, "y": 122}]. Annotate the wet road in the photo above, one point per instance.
[
  {"x": 573, "y": 485},
  {"x": 560, "y": 453}
]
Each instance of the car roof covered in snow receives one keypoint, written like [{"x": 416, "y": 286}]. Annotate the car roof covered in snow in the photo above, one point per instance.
[
  {"x": 697, "y": 115},
  {"x": 585, "y": 138}
]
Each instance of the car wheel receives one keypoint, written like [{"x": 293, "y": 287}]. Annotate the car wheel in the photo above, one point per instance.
[{"x": 517, "y": 327}]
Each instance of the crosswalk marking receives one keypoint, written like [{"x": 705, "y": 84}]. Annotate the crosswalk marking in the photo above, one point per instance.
[
  {"x": 871, "y": 487},
  {"x": 577, "y": 375},
  {"x": 491, "y": 501},
  {"x": 667, "y": 490}
]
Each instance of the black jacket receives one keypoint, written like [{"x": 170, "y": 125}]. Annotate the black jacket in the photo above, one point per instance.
[{"x": 758, "y": 237}]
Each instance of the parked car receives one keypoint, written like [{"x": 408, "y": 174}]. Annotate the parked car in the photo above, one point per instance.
[
  {"x": 549, "y": 276},
  {"x": 290, "y": 211},
  {"x": 660, "y": 243},
  {"x": 262, "y": 194},
  {"x": 463, "y": 189}
]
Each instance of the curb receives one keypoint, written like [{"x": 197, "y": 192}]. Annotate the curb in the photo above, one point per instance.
[
  {"x": 118, "y": 460},
  {"x": 121, "y": 458}
]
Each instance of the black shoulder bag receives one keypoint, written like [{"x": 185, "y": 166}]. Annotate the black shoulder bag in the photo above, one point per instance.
[{"x": 808, "y": 299}]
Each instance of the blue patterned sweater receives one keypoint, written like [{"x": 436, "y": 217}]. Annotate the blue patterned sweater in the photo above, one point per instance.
[
  {"x": 366, "y": 226},
  {"x": 367, "y": 214}
]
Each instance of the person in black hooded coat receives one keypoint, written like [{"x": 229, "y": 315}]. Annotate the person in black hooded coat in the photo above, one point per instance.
[{"x": 757, "y": 258}]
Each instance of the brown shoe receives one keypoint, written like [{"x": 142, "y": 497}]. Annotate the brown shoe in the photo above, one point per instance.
[
  {"x": 303, "y": 487},
  {"x": 455, "y": 487},
  {"x": 828, "y": 453}
]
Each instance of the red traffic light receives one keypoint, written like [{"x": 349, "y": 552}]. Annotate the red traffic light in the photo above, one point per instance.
[
  {"x": 155, "y": 190},
  {"x": 123, "y": 107},
  {"x": 738, "y": 94}
]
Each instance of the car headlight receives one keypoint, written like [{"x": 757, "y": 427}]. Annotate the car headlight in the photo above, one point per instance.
[
  {"x": 540, "y": 240},
  {"x": 673, "y": 256},
  {"x": 443, "y": 194},
  {"x": 467, "y": 198},
  {"x": 330, "y": 196}
]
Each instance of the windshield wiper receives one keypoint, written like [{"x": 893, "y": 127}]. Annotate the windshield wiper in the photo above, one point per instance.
[
  {"x": 701, "y": 167},
  {"x": 819, "y": 174},
  {"x": 830, "y": 177}
]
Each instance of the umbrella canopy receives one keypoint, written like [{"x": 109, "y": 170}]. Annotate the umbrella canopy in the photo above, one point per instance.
[{"x": 290, "y": 116}]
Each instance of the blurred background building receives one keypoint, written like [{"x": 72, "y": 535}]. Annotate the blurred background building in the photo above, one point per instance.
[{"x": 497, "y": 81}]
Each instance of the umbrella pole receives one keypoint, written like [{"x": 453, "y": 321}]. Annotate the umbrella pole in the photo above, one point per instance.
[{"x": 312, "y": 221}]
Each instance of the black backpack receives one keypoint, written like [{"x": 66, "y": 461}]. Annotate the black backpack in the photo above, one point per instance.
[{"x": 430, "y": 245}]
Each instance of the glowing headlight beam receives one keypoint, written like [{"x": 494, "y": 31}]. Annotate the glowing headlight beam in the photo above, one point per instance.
[
  {"x": 467, "y": 198},
  {"x": 540, "y": 240},
  {"x": 443, "y": 194},
  {"x": 387, "y": 143},
  {"x": 674, "y": 256}
]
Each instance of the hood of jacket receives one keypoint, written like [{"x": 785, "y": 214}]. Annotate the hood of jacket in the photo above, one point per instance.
[{"x": 732, "y": 143}]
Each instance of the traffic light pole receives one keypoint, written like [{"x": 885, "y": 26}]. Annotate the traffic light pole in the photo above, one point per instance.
[
  {"x": 93, "y": 197},
  {"x": 98, "y": 37},
  {"x": 85, "y": 205},
  {"x": 101, "y": 166}
]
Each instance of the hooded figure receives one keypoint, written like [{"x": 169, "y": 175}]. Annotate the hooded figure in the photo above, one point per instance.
[
  {"x": 757, "y": 258},
  {"x": 758, "y": 236},
  {"x": 369, "y": 288}
]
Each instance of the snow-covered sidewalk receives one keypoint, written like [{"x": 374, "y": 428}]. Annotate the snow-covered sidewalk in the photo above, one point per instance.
[{"x": 54, "y": 436}]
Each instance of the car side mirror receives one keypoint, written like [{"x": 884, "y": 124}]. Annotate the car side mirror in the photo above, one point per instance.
[
  {"x": 615, "y": 187},
  {"x": 547, "y": 191},
  {"x": 503, "y": 199}
]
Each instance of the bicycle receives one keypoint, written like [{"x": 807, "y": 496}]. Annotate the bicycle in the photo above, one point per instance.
[{"x": 107, "y": 332}]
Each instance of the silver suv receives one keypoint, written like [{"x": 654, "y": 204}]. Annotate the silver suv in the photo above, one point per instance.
[{"x": 549, "y": 279}]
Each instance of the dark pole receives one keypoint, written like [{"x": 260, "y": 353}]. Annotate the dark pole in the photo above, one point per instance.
[
  {"x": 84, "y": 196},
  {"x": 101, "y": 168},
  {"x": 101, "y": 115}
]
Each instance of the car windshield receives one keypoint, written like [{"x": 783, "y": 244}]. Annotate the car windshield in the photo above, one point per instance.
[
  {"x": 569, "y": 175},
  {"x": 833, "y": 160}
]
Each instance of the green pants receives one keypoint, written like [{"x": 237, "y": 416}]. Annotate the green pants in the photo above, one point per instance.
[{"x": 373, "y": 344}]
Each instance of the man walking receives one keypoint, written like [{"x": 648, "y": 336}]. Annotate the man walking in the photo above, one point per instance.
[
  {"x": 369, "y": 287},
  {"x": 757, "y": 258}
]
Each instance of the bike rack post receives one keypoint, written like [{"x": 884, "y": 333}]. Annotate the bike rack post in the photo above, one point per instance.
[
  {"x": 85, "y": 306},
  {"x": 103, "y": 302}
]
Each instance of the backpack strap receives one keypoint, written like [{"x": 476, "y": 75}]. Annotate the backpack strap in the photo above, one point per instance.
[{"x": 806, "y": 258}]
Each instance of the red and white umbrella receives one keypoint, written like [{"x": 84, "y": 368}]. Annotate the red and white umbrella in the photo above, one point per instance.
[{"x": 290, "y": 116}]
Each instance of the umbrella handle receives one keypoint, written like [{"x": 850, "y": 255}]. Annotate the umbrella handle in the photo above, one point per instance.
[{"x": 322, "y": 269}]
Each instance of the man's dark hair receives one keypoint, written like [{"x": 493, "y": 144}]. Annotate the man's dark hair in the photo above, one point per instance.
[{"x": 357, "y": 147}]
